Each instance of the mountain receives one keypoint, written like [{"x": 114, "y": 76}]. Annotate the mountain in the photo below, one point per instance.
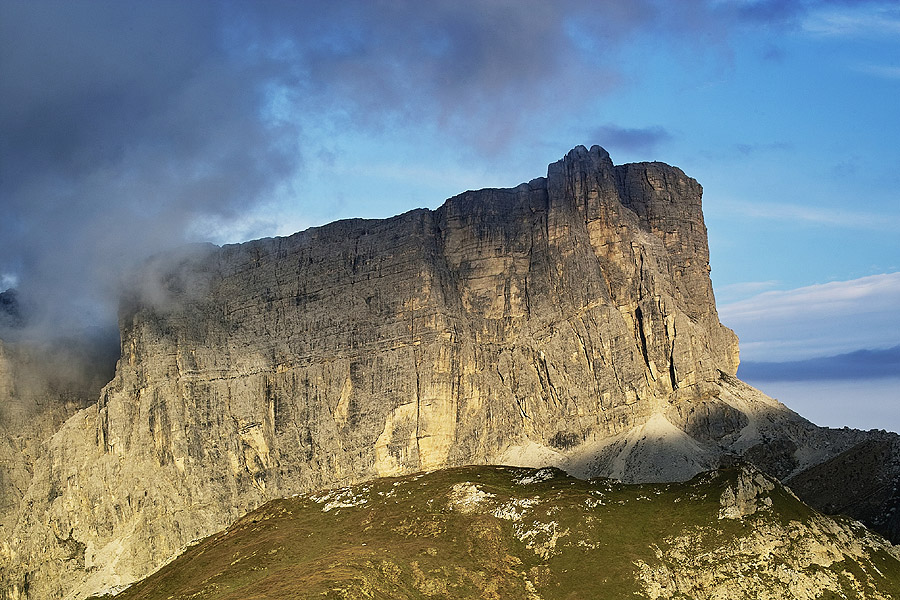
[
  {"x": 569, "y": 321},
  {"x": 42, "y": 384},
  {"x": 502, "y": 532}
]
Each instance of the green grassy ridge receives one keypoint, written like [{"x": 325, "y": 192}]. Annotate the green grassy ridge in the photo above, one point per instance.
[{"x": 524, "y": 533}]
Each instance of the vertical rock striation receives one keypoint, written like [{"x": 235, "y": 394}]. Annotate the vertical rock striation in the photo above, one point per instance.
[
  {"x": 569, "y": 320},
  {"x": 41, "y": 385}
]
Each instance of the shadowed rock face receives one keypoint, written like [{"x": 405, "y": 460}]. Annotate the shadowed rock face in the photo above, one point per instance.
[
  {"x": 567, "y": 321},
  {"x": 863, "y": 481}
]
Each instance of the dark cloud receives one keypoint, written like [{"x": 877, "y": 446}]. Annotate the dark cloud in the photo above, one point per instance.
[
  {"x": 862, "y": 364},
  {"x": 644, "y": 140},
  {"x": 123, "y": 124},
  {"x": 476, "y": 71}
]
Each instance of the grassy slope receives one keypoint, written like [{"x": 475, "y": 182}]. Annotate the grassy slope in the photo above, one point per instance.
[{"x": 484, "y": 532}]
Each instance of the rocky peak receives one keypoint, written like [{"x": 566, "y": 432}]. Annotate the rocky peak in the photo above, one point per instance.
[
  {"x": 567, "y": 321},
  {"x": 578, "y": 165},
  {"x": 748, "y": 491}
]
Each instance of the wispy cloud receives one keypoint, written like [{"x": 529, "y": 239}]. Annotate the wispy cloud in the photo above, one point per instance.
[
  {"x": 866, "y": 293},
  {"x": 882, "y": 71},
  {"x": 460, "y": 179},
  {"x": 632, "y": 139},
  {"x": 742, "y": 150},
  {"x": 748, "y": 149},
  {"x": 738, "y": 291},
  {"x": 818, "y": 320},
  {"x": 7, "y": 281},
  {"x": 811, "y": 214},
  {"x": 865, "y": 19}
]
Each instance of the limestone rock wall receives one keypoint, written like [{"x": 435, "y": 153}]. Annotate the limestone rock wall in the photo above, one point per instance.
[
  {"x": 41, "y": 385},
  {"x": 547, "y": 322}
]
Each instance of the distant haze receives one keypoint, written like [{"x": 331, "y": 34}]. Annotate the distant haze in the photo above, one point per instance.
[{"x": 858, "y": 403}]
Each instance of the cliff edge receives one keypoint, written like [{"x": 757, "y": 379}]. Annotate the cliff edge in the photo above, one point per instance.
[{"x": 567, "y": 321}]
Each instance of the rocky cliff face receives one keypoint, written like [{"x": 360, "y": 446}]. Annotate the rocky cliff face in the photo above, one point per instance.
[
  {"x": 41, "y": 386},
  {"x": 567, "y": 321}
]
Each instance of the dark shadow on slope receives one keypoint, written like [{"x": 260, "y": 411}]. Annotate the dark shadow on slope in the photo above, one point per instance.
[
  {"x": 859, "y": 475},
  {"x": 862, "y": 482},
  {"x": 836, "y": 471}
]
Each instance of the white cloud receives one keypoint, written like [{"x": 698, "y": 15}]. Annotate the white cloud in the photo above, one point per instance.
[
  {"x": 882, "y": 71},
  {"x": 818, "y": 320},
  {"x": 816, "y": 215},
  {"x": 7, "y": 281},
  {"x": 855, "y": 21},
  {"x": 265, "y": 220},
  {"x": 737, "y": 291}
]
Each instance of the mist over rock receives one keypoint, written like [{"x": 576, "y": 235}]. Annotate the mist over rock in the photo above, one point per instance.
[
  {"x": 42, "y": 384},
  {"x": 10, "y": 313},
  {"x": 567, "y": 321}
]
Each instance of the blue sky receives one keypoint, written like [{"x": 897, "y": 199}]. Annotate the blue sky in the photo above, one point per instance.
[{"x": 128, "y": 127}]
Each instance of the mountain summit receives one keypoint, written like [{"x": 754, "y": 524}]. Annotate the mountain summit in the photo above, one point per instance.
[{"x": 569, "y": 321}]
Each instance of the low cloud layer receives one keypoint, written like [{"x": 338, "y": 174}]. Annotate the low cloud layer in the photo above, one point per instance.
[
  {"x": 862, "y": 364},
  {"x": 858, "y": 403},
  {"x": 818, "y": 320},
  {"x": 855, "y": 19},
  {"x": 851, "y": 218}
]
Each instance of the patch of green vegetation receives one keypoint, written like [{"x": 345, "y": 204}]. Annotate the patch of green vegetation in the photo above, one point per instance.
[{"x": 472, "y": 532}]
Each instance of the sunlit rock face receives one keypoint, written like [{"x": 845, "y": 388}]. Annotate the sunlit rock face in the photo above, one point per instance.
[
  {"x": 567, "y": 321},
  {"x": 42, "y": 384}
]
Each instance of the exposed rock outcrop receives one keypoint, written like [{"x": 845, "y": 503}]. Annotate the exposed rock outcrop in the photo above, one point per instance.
[
  {"x": 784, "y": 550},
  {"x": 512, "y": 533},
  {"x": 567, "y": 321},
  {"x": 41, "y": 385},
  {"x": 750, "y": 492}
]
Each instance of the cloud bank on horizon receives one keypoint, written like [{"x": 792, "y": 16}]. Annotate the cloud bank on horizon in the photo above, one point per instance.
[
  {"x": 817, "y": 321},
  {"x": 130, "y": 127},
  {"x": 830, "y": 351}
]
